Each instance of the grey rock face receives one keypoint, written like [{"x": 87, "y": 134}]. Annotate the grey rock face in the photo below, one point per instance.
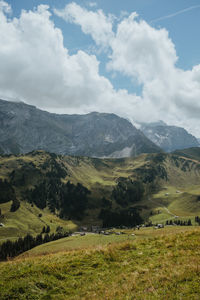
[
  {"x": 169, "y": 138},
  {"x": 24, "y": 128}
]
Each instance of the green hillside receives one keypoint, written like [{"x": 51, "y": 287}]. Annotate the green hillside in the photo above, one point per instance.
[
  {"x": 44, "y": 189},
  {"x": 193, "y": 153},
  {"x": 159, "y": 266}
]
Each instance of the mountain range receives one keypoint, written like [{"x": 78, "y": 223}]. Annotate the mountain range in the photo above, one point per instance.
[
  {"x": 24, "y": 128},
  {"x": 169, "y": 138}
]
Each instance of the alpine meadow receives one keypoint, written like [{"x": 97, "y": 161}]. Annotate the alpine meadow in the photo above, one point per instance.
[{"x": 99, "y": 150}]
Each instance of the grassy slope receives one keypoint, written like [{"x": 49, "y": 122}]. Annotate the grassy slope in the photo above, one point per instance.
[
  {"x": 178, "y": 196},
  {"x": 100, "y": 176},
  {"x": 26, "y": 220},
  {"x": 96, "y": 240},
  {"x": 193, "y": 153},
  {"x": 77, "y": 242},
  {"x": 163, "y": 267}
]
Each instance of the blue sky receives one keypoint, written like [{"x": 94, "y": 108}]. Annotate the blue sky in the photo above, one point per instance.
[
  {"x": 164, "y": 83},
  {"x": 183, "y": 28}
]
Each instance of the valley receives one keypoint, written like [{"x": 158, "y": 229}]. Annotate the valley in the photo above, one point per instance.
[
  {"x": 150, "y": 188},
  {"x": 46, "y": 199}
]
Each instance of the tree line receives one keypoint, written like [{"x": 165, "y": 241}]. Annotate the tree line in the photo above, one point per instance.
[
  {"x": 69, "y": 199},
  {"x": 197, "y": 219},
  {"x": 127, "y": 218},
  {"x": 11, "y": 249},
  {"x": 179, "y": 222},
  {"x": 128, "y": 191},
  {"x": 7, "y": 193}
]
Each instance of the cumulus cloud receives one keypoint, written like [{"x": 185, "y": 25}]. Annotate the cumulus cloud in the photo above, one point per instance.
[
  {"x": 5, "y": 7},
  {"x": 148, "y": 56},
  {"x": 37, "y": 68},
  {"x": 97, "y": 24}
]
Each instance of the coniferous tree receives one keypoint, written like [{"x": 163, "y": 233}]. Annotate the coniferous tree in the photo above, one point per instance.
[
  {"x": 15, "y": 205},
  {"x": 47, "y": 229},
  {"x": 43, "y": 229}
]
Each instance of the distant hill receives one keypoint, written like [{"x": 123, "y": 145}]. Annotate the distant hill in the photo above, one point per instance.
[
  {"x": 192, "y": 153},
  {"x": 24, "y": 128},
  {"x": 169, "y": 138}
]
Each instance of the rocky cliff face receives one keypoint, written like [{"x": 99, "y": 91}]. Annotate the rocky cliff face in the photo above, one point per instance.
[
  {"x": 169, "y": 138},
  {"x": 24, "y": 128}
]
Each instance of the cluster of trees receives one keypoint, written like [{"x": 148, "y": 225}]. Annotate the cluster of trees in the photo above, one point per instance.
[
  {"x": 127, "y": 218},
  {"x": 197, "y": 219},
  {"x": 106, "y": 203},
  {"x": 46, "y": 229},
  {"x": 15, "y": 205},
  {"x": 7, "y": 193},
  {"x": 69, "y": 199},
  {"x": 179, "y": 222},
  {"x": 10, "y": 249},
  {"x": 53, "y": 168},
  {"x": 149, "y": 173},
  {"x": 128, "y": 191}
]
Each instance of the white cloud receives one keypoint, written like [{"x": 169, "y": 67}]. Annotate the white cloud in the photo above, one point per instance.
[
  {"x": 96, "y": 23},
  {"x": 140, "y": 51},
  {"x": 5, "y": 7},
  {"x": 148, "y": 56},
  {"x": 37, "y": 68}
]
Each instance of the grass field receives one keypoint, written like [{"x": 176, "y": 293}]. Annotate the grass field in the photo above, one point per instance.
[
  {"x": 26, "y": 220},
  {"x": 157, "y": 264},
  {"x": 173, "y": 202},
  {"x": 91, "y": 240},
  {"x": 77, "y": 242}
]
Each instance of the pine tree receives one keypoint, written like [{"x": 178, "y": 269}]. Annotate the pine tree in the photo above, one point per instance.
[{"x": 47, "y": 229}]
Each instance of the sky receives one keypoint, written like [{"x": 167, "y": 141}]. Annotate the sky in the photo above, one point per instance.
[{"x": 139, "y": 59}]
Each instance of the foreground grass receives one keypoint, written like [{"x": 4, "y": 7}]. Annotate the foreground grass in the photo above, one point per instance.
[
  {"x": 77, "y": 242},
  {"x": 163, "y": 267},
  {"x": 96, "y": 240}
]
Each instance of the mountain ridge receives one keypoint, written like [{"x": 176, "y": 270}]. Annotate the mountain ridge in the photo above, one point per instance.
[
  {"x": 24, "y": 128},
  {"x": 168, "y": 137}
]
